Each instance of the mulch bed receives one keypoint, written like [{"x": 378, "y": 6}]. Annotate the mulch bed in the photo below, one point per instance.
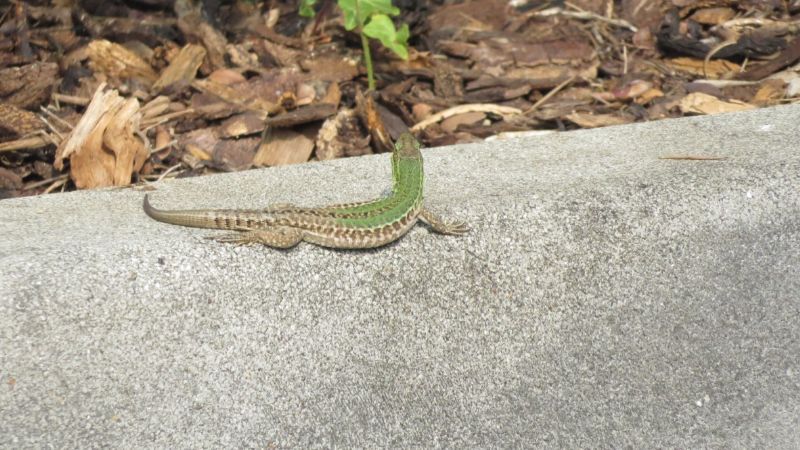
[{"x": 113, "y": 93}]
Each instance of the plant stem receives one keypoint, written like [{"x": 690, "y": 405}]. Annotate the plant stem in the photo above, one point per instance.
[
  {"x": 365, "y": 46},
  {"x": 367, "y": 60}
]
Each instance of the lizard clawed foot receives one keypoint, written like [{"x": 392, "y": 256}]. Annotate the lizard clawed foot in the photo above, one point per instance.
[
  {"x": 278, "y": 237},
  {"x": 437, "y": 224},
  {"x": 455, "y": 228},
  {"x": 234, "y": 238}
]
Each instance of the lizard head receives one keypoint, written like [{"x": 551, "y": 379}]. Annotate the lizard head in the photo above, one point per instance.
[{"x": 407, "y": 146}]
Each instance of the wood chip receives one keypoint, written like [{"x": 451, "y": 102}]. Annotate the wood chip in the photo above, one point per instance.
[
  {"x": 284, "y": 147},
  {"x": 452, "y": 123},
  {"x": 28, "y": 86},
  {"x": 18, "y": 122},
  {"x": 341, "y": 136},
  {"x": 235, "y": 154},
  {"x": 199, "y": 143},
  {"x": 28, "y": 143},
  {"x": 718, "y": 68},
  {"x": 117, "y": 62},
  {"x": 121, "y": 138},
  {"x": 713, "y": 16},
  {"x": 102, "y": 102},
  {"x": 331, "y": 68},
  {"x": 214, "y": 42},
  {"x": 9, "y": 180},
  {"x": 306, "y": 114},
  {"x": 371, "y": 119},
  {"x": 104, "y": 148},
  {"x": 700, "y": 103},
  {"x": 181, "y": 70},
  {"x": 241, "y": 125},
  {"x": 238, "y": 96},
  {"x": 494, "y": 109},
  {"x": 588, "y": 120}
]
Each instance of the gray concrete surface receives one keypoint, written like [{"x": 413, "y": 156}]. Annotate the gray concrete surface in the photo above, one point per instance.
[{"x": 605, "y": 298}]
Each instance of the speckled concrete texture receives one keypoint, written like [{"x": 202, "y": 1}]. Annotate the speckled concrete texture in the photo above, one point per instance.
[{"x": 604, "y": 298}]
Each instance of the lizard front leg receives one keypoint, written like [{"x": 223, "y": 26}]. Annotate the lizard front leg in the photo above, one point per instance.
[
  {"x": 439, "y": 225},
  {"x": 275, "y": 237}
]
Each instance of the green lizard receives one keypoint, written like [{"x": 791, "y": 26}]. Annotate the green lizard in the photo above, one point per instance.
[{"x": 351, "y": 225}]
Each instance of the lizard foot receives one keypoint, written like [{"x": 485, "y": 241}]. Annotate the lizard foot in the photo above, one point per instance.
[
  {"x": 437, "y": 224},
  {"x": 278, "y": 237}
]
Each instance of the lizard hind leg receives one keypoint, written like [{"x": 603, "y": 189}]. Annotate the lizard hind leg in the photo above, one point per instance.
[
  {"x": 275, "y": 237},
  {"x": 442, "y": 226}
]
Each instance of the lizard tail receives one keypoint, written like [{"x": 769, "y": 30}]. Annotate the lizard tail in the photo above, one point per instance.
[{"x": 201, "y": 218}]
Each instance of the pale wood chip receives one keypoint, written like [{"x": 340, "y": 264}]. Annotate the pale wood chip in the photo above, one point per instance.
[
  {"x": 102, "y": 101},
  {"x": 701, "y": 103},
  {"x": 120, "y": 136},
  {"x": 461, "y": 109},
  {"x": 104, "y": 148},
  {"x": 284, "y": 147},
  {"x": 181, "y": 70},
  {"x": 587, "y": 120},
  {"x": 241, "y": 125},
  {"x": 118, "y": 62}
]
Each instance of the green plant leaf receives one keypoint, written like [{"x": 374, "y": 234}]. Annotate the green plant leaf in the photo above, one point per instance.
[
  {"x": 307, "y": 8},
  {"x": 380, "y": 27},
  {"x": 357, "y": 12}
]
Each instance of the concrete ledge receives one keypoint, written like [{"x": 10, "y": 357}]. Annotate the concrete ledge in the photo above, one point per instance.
[{"x": 605, "y": 298}]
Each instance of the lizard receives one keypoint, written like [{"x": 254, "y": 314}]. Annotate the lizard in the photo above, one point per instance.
[{"x": 360, "y": 225}]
